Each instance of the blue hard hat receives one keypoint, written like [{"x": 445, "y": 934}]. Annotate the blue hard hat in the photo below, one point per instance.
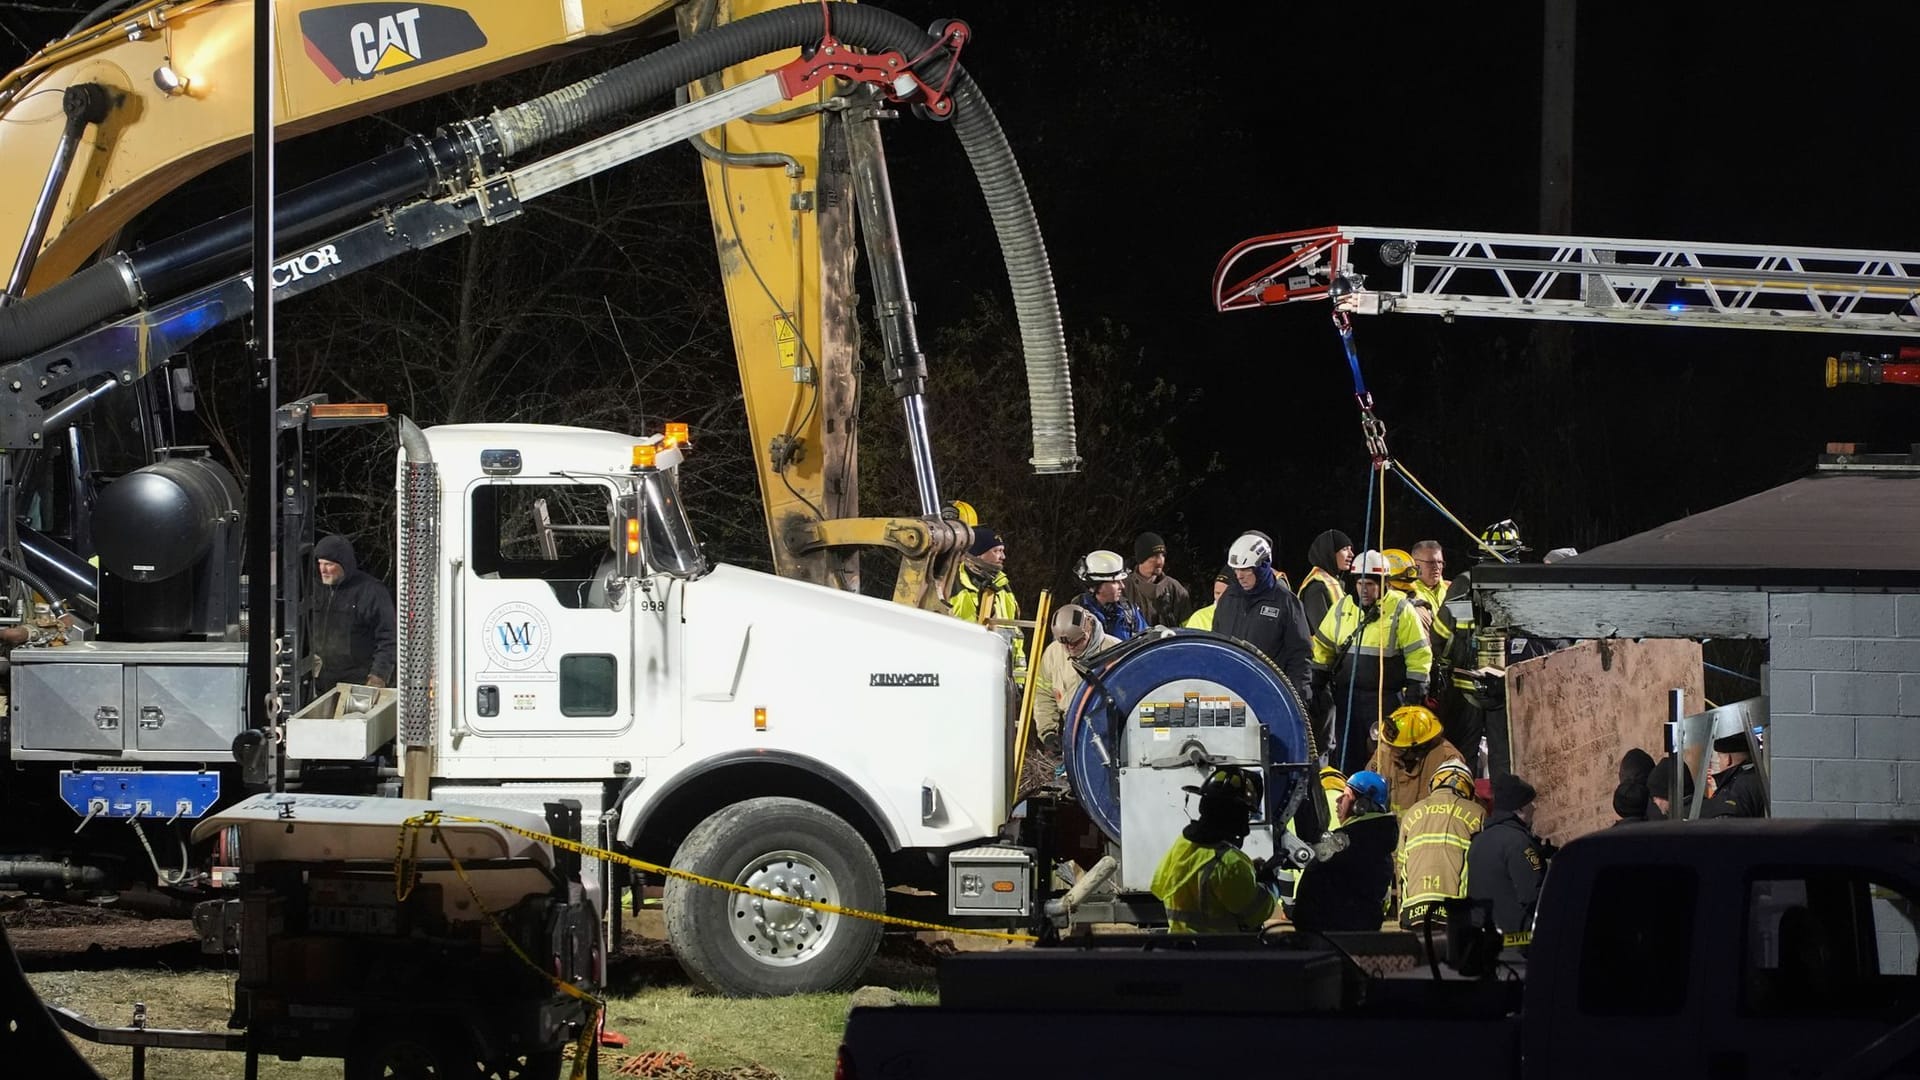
[{"x": 1369, "y": 786}]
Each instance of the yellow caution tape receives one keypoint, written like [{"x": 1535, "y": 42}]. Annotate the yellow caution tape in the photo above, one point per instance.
[{"x": 698, "y": 879}]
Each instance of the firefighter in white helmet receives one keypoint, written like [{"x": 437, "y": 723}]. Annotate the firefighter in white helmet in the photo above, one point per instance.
[
  {"x": 1370, "y": 656},
  {"x": 1260, "y": 610},
  {"x": 1104, "y": 573}
]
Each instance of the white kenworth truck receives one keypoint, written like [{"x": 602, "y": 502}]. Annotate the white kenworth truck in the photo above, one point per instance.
[{"x": 563, "y": 636}]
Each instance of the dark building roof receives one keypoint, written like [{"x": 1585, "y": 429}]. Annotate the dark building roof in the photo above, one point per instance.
[{"x": 1843, "y": 527}]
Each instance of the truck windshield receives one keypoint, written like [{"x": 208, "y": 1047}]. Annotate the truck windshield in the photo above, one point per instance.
[{"x": 671, "y": 548}]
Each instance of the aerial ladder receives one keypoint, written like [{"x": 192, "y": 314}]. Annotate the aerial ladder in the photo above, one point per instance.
[{"x": 1456, "y": 274}]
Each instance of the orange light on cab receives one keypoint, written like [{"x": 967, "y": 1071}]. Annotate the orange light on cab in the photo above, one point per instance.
[
  {"x": 643, "y": 455},
  {"x": 759, "y": 719},
  {"x": 677, "y": 435},
  {"x": 1003, "y": 886},
  {"x": 633, "y": 536}
]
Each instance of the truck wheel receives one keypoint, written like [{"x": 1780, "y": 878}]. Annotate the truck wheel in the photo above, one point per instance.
[{"x": 748, "y": 946}]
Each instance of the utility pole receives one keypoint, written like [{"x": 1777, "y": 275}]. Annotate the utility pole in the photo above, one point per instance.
[{"x": 263, "y": 586}]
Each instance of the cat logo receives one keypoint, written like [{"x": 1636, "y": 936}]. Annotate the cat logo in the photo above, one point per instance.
[{"x": 359, "y": 41}]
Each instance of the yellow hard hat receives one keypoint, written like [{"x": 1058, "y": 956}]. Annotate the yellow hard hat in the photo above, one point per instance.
[
  {"x": 1332, "y": 779},
  {"x": 1411, "y": 725},
  {"x": 1400, "y": 570},
  {"x": 963, "y": 512}
]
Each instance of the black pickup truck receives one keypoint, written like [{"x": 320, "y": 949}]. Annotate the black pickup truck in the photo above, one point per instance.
[{"x": 1710, "y": 950}]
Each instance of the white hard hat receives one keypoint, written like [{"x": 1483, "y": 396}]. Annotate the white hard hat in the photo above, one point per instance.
[
  {"x": 1371, "y": 562},
  {"x": 1101, "y": 565},
  {"x": 1251, "y": 550}
]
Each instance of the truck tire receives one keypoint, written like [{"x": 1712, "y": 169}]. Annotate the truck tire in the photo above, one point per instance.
[{"x": 746, "y": 946}]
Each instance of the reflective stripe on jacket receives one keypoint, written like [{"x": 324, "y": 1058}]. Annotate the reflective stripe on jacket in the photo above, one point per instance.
[
  {"x": 1210, "y": 889},
  {"x": 1391, "y": 640},
  {"x": 1435, "y": 834},
  {"x": 1436, "y": 600}
]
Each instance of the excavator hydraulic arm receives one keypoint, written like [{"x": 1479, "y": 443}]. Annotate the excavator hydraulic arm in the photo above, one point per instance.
[{"x": 117, "y": 116}]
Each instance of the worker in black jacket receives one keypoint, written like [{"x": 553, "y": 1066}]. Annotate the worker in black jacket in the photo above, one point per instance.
[
  {"x": 1348, "y": 890},
  {"x": 1505, "y": 862},
  {"x": 350, "y": 621},
  {"x": 1737, "y": 789},
  {"x": 1258, "y": 609}
]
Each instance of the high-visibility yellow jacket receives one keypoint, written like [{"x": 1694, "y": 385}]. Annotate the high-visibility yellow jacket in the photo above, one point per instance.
[
  {"x": 1434, "y": 836},
  {"x": 1436, "y": 600},
  {"x": 1319, "y": 591},
  {"x": 1210, "y": 889},
  {"x": 978, "y": 601},
  {"x": 1361, "y": 642},
  {"x": 1202, "y": 619}
]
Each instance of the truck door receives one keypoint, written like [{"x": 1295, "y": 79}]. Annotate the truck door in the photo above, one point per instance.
[
  {"x": 542, "y": 651},
  {"x": 1635, "y": 989},
  {"x": 1827, "y": 967}
]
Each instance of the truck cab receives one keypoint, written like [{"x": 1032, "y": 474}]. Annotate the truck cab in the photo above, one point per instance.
[{"x": 1738, "y": 948}]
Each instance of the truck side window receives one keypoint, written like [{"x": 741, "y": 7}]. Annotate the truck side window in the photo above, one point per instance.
[
  {"x": 1833, "y": 943},
  {"x": 588, "y": 685},
  {"x": 1636, "y": 955},
  {"x": 553, "y": 532}
]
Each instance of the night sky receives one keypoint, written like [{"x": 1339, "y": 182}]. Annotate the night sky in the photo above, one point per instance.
[{"x": 1156, "y": 136}]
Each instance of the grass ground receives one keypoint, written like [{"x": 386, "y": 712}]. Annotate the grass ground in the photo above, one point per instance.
[{"x": 652, "y": 1006}]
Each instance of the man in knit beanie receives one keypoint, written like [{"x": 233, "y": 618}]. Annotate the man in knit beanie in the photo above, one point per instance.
[
  {"x": 350, "y": 622},
  {"x": 1163, "y": 600}
]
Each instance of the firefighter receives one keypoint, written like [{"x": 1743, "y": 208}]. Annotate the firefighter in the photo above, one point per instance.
[
  {"x": 1104, "y": 574},
  {"x": 1331, "y": 554},
  {"x": 1430, "y": 594},
  {"x": 1370, "y": 656},
  {"x": 1411, "y": 748},
  {"x": 984, "y": 594},
  {"x": 1203, "y": 619},
  {"x": 1349, "y": 890},
  {"x": 1258, "y": 609},
  {"x": 1476, "y": 708},
  {"x": 1737, "y": 790},
  {"x": 1077, "y": 637},
  {"x": 1505, "y": 862},
  {"x": 1435, "y": 834},
  {"x": 1206, "y": 882},
  {"x": 1160, "y": 597}
]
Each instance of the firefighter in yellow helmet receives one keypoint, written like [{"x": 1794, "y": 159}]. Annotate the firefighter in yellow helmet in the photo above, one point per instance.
[
  {"x": 1411, "y": 748},
  {"x": 1435, "y": 834},
  {"x": 1210, "y": 886}
]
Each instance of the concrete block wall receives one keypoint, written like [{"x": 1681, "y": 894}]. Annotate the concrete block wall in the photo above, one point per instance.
[{"x": 1843, "y": 682}]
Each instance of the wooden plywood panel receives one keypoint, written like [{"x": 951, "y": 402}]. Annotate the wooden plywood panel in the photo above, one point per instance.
[{"x": 1576, "y": 711}]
